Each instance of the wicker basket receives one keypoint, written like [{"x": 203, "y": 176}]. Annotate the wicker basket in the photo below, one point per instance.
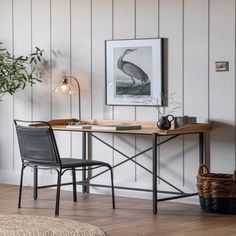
[{"x": 217, "y": 192}]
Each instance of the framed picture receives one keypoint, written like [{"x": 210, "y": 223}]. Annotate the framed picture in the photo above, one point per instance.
[
  {"x": 134, "y": 72},
  {"x": 222, "y": 66}
]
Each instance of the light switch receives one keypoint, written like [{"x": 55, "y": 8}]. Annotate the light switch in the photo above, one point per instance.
[{"x": 222, "y": 66}]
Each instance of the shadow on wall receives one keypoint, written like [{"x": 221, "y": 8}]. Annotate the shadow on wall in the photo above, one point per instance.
[
  {"x": 223, "y": 132},
  {"x": 222, "y": 144}
]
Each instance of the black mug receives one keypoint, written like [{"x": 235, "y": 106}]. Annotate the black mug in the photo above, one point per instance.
[{"x": 164, "y": 122}]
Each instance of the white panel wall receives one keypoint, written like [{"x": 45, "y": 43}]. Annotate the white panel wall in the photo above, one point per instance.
[
  {"x": 148, "y": 15},
  {"x": 171, "y": 28},
  {"x": 61, "y": 60},
  {"x": 41, "y": 38},
  {"x": 72, "y": 34},
  {"x": 6, "y": 106},
  {"x": 124, "y": 28},
  {"x": 222, "y": 85},
  {"x": 80, "y": 65},
  {"x": 81, "y": 54},
  {"x": 195, "y": 79},
  {"x": 101, "y": 29},
  {"x": 22, "y": 45}
]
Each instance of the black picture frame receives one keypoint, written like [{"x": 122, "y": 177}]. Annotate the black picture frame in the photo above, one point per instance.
[{"x": 134, "y": 72}]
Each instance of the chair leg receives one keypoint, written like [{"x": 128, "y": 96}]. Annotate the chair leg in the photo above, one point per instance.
[
  {"x": 58, "y": 192},
  {"x": 112, "y": 189},
  {"x": 74, "y": 184},
  {"x": 35, "y": 188},
  {"x": 21, "y": 182}
]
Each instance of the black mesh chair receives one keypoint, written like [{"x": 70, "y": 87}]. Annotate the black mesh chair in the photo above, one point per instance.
[{"x": 38, "y": 149}]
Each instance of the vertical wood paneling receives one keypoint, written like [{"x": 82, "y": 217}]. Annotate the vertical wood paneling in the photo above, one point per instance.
[
  {"x": 41, "y": 39},
  {"x": 101, "y": 30},
  {"x": 222, "y": 85},
  {"x": 41, "y": 33},
  {"x": 6, "y": 24},
  {"x": 6, "y": 105},
  {"x": 171, "y": 27},
  {"x": 195, "y": 79},
  {"x": 124, "y": 29},
  {"x": 124, "y": 19},
  {"x": 60, "y": 17},
  {"x": 146, "y": 18},
  {"x": 103, "y": 153},
  {"x": 146, "y": 27},
  {"x": 60, "y": 45},
  {"x": 81, "y": 55},
  {"x": 196, "y": 59},
  {"x": 81, "y": 64},
  {"x": 22, "y": 46}
]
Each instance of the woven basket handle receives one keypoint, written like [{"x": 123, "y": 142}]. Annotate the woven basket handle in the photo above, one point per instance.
[{"x": 203, "y": 167}]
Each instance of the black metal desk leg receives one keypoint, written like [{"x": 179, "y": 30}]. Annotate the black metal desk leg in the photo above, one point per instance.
[
  {"x": 35, "y": 187},
  {"x": 201, "y": 148},
  {"x": 84, "y": 144},
  {"x": 154, "y": 172}
]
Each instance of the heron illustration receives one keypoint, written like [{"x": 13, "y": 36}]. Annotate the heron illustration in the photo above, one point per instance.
[{"x": 130, "y": 69}]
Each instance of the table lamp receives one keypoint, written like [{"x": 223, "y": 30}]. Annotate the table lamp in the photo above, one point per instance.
[{"x": 66, "y": 87}]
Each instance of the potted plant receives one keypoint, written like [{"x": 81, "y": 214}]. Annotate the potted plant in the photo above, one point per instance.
[{"x": 16, "y": 72}]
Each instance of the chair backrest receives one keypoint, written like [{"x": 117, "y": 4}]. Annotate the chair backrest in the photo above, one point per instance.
[{"x": 37, "y": 142}]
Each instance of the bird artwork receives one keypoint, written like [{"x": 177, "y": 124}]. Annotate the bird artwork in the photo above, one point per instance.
[{"x": 135, "y": 73}]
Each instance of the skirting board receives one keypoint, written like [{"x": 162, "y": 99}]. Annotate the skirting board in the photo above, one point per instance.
[{"x": 13, "y": 177}]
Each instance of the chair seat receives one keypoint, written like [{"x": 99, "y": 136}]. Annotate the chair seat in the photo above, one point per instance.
[{"x": 73, "y": 163}]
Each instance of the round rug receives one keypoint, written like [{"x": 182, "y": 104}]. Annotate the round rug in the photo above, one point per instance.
[{"x": 24, "y": 225}]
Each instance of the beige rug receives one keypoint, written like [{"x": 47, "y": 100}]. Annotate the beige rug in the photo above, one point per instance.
[{"x": 22, "y": 225}]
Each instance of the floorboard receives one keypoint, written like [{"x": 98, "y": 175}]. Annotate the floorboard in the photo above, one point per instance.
[{"x": 132, "y": 217}]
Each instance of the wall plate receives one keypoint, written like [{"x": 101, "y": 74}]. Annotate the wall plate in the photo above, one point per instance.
[{"x": 222, "y": 66}]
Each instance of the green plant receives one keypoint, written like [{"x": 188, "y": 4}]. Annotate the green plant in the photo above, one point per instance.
[{"x": 16, "y": 72}]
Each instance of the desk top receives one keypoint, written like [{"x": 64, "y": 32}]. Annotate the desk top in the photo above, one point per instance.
[{"x": 148, "y": 127}]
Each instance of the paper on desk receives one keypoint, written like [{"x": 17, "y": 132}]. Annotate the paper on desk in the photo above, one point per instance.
[{"x": 106, "y": 127}]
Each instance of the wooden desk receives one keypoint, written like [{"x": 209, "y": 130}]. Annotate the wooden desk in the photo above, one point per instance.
[{"x": 148, "y": 128}]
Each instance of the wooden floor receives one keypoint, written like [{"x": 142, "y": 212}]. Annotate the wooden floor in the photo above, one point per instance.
[{"x": 132, "y": 216}]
